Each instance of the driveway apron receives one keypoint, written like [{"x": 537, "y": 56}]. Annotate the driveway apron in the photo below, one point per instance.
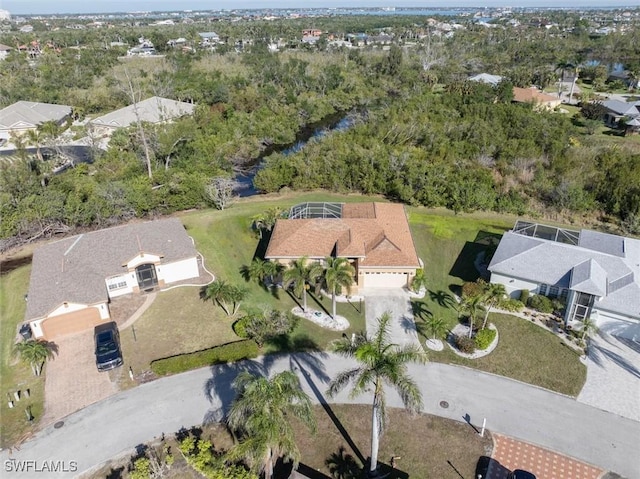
[{"x": 397, "y": 303}]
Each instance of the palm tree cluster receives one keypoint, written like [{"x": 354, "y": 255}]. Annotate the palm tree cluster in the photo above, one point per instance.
[
  {"x": 488, "y": 296},
  {"x": 334, "y": 275},
  {"x": 228, "y": 296}
]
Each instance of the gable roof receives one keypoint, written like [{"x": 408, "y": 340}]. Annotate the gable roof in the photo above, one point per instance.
[
  {"x": 532, "y": 95},
  {"x": 377, "y": 233},
  {"x": 29, "y": 114},
  {"x": 487, "y": 78},
  {"x": 621, "y": 107},
  {"x": 74, "y": 269},
  {"x": 152, "y": 110},
  {"x": 601, "y": 264}
]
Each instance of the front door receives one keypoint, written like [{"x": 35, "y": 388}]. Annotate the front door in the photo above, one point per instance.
[{"x": 146, "y": 274}]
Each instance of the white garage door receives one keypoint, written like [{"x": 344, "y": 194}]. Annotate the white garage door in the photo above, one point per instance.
[
  {"x": 385, "y": 280},
  {"x": 627, "y": 329}
]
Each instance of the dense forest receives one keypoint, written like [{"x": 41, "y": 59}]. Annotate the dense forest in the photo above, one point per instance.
[{"x": 423, "y": 134}]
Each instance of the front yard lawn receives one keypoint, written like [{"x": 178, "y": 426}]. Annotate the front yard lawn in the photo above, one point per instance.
[
  {"x": 14, "y": 374},
  {"x": 448, "y": 245}
]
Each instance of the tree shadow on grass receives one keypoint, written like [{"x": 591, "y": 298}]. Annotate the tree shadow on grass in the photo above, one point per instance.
[
  {"x": 463, "y": 267},
  {"x": 442, "y": 298},
  {"x": 343, "y": 465},
  {"x": 218, "y": 389},
  {"x": 325, "y": 405}
]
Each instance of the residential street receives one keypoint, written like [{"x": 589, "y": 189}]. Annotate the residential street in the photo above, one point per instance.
[{"x": 118, "y": 424}]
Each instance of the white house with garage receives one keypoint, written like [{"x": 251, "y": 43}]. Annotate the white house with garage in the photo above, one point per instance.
[
  {"x": 74, "y": 279},
  {"x": 597, "y": 274},
  {"x": 374, "y": 237}
]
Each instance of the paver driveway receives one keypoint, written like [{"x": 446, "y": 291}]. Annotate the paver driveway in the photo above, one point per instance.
[
  {"x": 73, "y": 381},
  {"x": 613, "y": 376},
  {"x": 509, "y": 454}
]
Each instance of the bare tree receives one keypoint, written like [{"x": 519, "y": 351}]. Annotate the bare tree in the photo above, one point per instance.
[
  {"x": 134, "y": 93},
  {"x": 220, "y": 192}
]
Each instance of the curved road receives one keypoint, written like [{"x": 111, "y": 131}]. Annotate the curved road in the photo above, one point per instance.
[{"x": 116, "y": 425}]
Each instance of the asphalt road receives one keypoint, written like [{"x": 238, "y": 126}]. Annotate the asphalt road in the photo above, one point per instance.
[{"x": 118, "y": 424}]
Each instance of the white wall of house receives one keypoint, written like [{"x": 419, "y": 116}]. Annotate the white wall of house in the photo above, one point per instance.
[
  {"x": 178, "y": 270},
  {"x": 120, "y": 285},
  {"x": 36, "y": 328},
  {"x": 616, "y": 324},
  {"x": 513, "y": 285}
]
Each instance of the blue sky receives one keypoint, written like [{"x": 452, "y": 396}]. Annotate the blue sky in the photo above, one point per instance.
[{"x": 99, "y": 6}]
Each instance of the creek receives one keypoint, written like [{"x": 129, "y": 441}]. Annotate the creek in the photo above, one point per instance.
[{"x": 339, "y": 121}]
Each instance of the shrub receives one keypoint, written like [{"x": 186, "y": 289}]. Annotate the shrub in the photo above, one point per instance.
[
  {"x": 484, "y": 338},
  {"x": 473, "y": 289},
  {"x": 511, "y": 305},
  {"x": 524, "y": 296},
  {"x": 465, "y": 344},
  {"x": 540, "y": 303},
  {"x": 240, "y": 328},
  {"x": 264, "y": 326},
  {"x": 225, "y": 353}
]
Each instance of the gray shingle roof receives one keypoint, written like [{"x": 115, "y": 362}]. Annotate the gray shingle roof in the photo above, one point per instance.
[
  {"x": 28, "y": 114},
  {"x": 621, "y": 108},
  {"x": 602, "y": 264},
  {"x": 151, "y": 110},
  {"x": 589, "y": 277},
  {"x": 74, "y": 269}
]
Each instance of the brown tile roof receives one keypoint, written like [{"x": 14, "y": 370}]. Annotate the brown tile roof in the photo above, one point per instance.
[
  {"x": 378, "y": 233},
  {"x": 532, "y": 95},
  {"x": 74, "y": 269}
]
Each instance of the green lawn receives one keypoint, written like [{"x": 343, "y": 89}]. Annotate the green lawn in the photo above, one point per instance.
[
  {"x": 14, "y": 374},
  {"x": 448, "y": 245}
]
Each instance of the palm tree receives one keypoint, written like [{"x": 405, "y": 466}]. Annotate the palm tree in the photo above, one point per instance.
[
  {"x": 299, "y": 274},
  {"x": 472, "y": 307},
  {"x": 338, "y": 273},
  {"x": 419, "y": 281},
  {"x": 380, "y": 363},
  {"x": 261, "y": 414},
  {"x": 256, "y": 271},
  {"x": 273, "y": 270},
  {"x": 494, "y": 292},
  {"x": 34, "y": 138},
  {"x": 589, "y": 328},
  {"x": 227, "y": 296},
  {"x": 437, "y": 326},
  {"x": 35, "y": 352},
  {"x": 266, "y": 220}
]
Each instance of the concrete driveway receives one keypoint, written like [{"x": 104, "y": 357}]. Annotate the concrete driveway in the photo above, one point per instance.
[
  {"x": 397, "y": 302},
  {"x": 72, "y": 380},
  {"x": 613, "y": 376}
]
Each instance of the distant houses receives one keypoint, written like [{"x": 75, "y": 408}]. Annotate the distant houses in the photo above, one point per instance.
[
  {"x": 152, "y": 110},
  {"x": 487, "y": 78},
  {"x": 23, "y": 116},
  {"x": 539, "y": 99}
]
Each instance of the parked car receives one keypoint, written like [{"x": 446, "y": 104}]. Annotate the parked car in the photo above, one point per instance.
[
  {"x": 520, "y": 474},
  {"x": 107, "y": 339}
]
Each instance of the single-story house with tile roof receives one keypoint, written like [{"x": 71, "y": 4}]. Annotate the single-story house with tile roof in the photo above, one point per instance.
[
  {"x": 152, "y": 110},
  {"x": 597, "y": 274},
  {"x": 27, "y": 115},
  {"x": 374, "y": 237},
  {"x": 73, "y": 279},
  {"x": 616, "y": 110},
  {"x": 539, "y": 99}
]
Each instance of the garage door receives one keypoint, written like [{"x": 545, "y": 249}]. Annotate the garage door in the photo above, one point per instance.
[
  {"x": 385, "y": 280},
  {"x": 70, "y": 323}
]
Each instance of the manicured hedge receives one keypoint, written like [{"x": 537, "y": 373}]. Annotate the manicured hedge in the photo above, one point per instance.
[{"x": 220, "y": 354}]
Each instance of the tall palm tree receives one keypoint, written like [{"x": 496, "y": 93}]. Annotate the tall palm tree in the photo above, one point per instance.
[
  {"x": 261, "y": 414},
  {"x": 380, "y": 363},
  {"x": 256, "y": 271},
  {"x": 299, "y": 274},
  {"x": 338, "y": 273},
  {"x": 492, "y": 295},
  {"x": 35, "y": 352}
]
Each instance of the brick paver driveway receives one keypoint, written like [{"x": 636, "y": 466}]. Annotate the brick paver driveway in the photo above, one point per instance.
[
  {"x": 72, "y": 380},
  {"x": 509, "y": 454}
]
